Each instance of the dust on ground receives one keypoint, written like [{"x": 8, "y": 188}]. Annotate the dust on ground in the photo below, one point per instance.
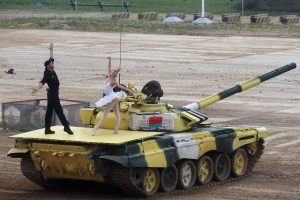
[{"x": 189, "y": 68}]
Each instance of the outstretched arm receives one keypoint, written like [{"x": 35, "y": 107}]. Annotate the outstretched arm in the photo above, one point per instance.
[
  {"x": 36, "y": 89},
  {"x": 51, "y": 49},
  {"x": 130, "y": 92}
]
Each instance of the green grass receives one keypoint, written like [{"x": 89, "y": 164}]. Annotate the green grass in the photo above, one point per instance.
[
  {"x": 160, "y": 6},
  {"x": 137, "y": 26},
  {"x": 215, "y": 7}
]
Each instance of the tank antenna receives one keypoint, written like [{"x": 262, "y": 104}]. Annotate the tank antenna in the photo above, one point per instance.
[{"x": 120, "y": 64}]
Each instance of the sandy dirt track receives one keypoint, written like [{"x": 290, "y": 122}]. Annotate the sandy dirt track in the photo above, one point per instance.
[{"x": 189, "y": 68}]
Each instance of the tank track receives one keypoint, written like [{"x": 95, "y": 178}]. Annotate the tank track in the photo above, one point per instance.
[
  {"x": 120, "y": 177},
  {"x": 253, "y": 159},
  {"x": 29, "y": 171}
]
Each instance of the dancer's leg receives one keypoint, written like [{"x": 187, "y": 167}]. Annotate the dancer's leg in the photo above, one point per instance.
[
  {"x": 117, "y": 113},
  {"x": 108, "y": 108}
]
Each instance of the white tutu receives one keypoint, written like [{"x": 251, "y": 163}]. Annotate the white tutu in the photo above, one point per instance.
[
  {"x": 110, "y": 95},
  {"x": 109, "y": 98}
]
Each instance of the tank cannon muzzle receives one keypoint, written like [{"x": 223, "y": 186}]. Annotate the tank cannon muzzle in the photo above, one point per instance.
[{"x": 240, "y": 87}]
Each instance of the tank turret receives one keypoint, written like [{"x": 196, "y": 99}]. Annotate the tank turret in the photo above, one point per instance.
[{"x": 139, "y": 113}]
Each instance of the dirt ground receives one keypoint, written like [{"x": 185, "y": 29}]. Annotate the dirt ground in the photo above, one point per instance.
[{"x": 189, "y": 68}]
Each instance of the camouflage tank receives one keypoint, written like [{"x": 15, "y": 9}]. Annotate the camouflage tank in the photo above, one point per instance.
[{"x": 159, "y": 146}]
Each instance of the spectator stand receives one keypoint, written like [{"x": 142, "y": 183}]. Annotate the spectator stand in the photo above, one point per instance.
[{"x": 101, "y": 5}]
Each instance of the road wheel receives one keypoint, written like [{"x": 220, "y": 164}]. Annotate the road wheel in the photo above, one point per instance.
[
  {"x": 239, "y": 160},
  {"x": 205, "y": 170},
  {"x": 151, "y": 181},
  {"x": 168, "y": 179},
  {"x": 222, "y": 167},
  {"x": 146, "y": 179},
  {"x": 252, "y": 148},
  {"x": 139, "y": 182},
  {"x": 186, "y": 174}
]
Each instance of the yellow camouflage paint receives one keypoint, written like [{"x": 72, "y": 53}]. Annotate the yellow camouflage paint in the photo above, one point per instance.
[
  {"x": 241, "y": 133},
  {"x": 247, "y": 133},
  {"x": 110, "y": 121},
  {"x": 250, "y": 83},
  {"x": 192, "y": 119},
  {"x": 205, "y": 141},
  {"x": 65, "y": 161},
  {"x": 154, "y": 155},
  {"x": 209, "y": 100}
]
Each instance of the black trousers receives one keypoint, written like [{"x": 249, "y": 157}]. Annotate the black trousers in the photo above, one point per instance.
[{"x": 53, "y": 103}]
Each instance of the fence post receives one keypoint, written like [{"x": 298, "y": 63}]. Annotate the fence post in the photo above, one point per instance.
[{"x": 76, "y": 5}]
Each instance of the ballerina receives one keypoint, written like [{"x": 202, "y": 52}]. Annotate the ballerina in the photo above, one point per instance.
[{"x": 111, "y": 98}]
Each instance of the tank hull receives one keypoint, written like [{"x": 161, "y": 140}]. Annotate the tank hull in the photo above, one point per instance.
[{"x": 106, "y": 156}]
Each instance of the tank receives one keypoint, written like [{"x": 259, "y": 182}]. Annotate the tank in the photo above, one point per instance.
[{"x": 160, "y": 148}]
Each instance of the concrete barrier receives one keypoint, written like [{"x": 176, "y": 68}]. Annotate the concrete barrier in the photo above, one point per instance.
[
  {"x": 120, "y": 15},
  {"x": 260, "y": 18},
  {"x": 148, "y": 16},
  {"x": 231, "y": 18},
  {"x": 289, "y": 19}
]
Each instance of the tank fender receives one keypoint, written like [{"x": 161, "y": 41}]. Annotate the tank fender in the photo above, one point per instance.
[
  {"x": 123, "y": 160},
  {"x": 103, "y": 165},
  {"x": 162, "y": 158},
  {"x": 186, "y": 146},
  {"x": 17, "y": 152},
  {"x": 242, "y": 140},
  {"x": 132, "y": 161}
]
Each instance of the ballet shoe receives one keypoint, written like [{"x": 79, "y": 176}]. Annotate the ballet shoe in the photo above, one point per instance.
[
  {"x": 93, "y": 132},
  {"x": 115, "y": 132}
]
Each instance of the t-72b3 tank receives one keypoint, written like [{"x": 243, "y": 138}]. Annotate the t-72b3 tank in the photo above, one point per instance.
[{"x": 158, "y": 147}]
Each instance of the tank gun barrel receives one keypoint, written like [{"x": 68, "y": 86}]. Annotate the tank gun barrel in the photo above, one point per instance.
[{"x": 240, "y": 87}]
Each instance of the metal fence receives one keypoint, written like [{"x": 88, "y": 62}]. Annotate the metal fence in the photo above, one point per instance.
[{"x": 30, "y": 114}]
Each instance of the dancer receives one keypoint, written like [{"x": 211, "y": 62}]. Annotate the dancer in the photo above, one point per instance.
[
  {"x": 111, "y": 98},
  {"x": 53, "y": 102}
]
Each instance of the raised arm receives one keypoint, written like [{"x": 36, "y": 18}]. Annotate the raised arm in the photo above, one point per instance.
[
  {"x": 51, "y": 50},
  {"x": 44, "y": 80},
  {"x": 109, "y": 65}
]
